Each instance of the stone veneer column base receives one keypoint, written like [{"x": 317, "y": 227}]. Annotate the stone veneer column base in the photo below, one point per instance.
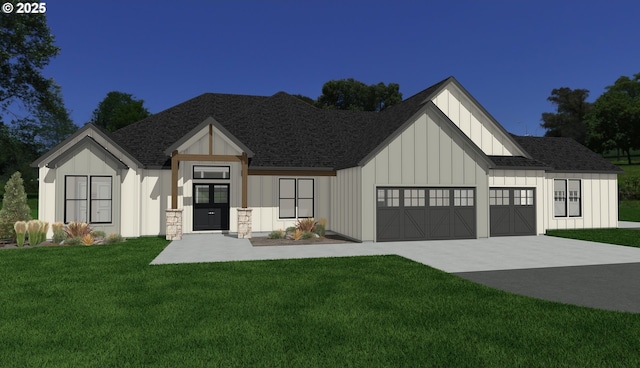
[
  {"x": 244, "y": 223},
  {"x": 174, "y": 224}
]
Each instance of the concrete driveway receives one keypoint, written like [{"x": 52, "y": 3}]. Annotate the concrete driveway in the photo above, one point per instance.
[
  {"x": 453, "y": 256},
  {"x": 565, "y": 270}
]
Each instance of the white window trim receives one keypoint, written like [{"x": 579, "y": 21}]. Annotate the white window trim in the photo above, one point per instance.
[{"x": 566, "y": 199}]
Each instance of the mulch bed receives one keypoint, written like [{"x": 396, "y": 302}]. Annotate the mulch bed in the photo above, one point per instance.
[
  {"x": 7, "y": 245},
  {"x": 329, "y": 239}
]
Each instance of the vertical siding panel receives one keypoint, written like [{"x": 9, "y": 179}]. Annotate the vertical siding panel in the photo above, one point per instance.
[
  {"x": 408, "y": 155},
  {"x": 382, "y": 166},
  {"x": 433, "y": 151},
  {"x": 587, "y": 204},
  {"x": 395, "y": 161},
  {"x": 457, "y": 159},
  {"x": 420, "y": 146},
  {"x": 596, "y": 201},
  {"x": 465, "y": 120},
  {"x": 454, "y": 110},
  {"x": 445, "y": 154}
]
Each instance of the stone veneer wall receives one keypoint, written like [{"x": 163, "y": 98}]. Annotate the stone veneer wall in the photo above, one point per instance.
[
  {"x": 244, "y": 223},
  {"x": 174, "y": 224}
]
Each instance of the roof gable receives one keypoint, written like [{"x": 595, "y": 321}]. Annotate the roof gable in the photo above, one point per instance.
[
  {"x": 85, "y": 142},
  {"x": 201, "y": 130},
  {"x": 475, "y": 121},
  {"x": 101, "y": 139}
]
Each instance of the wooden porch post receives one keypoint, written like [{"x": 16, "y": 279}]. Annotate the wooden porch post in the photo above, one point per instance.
[
  {"x": 245, "y": 174},
  {"x": 174, "y": 179}
]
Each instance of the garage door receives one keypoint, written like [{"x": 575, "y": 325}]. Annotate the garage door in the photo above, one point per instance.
[
  {"x": 512, "y": 211},
  {"x": 425, "y": 213}
]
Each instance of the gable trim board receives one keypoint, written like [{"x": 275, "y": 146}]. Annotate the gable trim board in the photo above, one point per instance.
[{"x": 440, "y": 141}]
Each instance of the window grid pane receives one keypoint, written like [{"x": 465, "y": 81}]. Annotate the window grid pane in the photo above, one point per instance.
[
  {"x": 211, "y": 172},
  {"x": 439, "y": 197},
  {"x": 101, "y": 204},
  {"x": 414, "y": 197},
  {"x": 463, "y": 197},
  {"x": 560, "y": 198}
]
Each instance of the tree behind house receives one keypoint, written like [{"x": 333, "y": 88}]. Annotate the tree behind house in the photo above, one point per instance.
[
  {"x": 571, "y": 111},
  {"x": 118, "y": 110},
  {"x": 14, "y": 206}
]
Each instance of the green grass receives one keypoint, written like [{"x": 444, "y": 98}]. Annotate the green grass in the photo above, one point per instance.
[
  {"x": 104, "y": 306},
  {"x": 629, "y": 237},
  {"x": 629, "y": 211}
]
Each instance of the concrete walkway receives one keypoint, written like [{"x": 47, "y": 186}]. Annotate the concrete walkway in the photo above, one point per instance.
[{"x": 453, "y": 256}]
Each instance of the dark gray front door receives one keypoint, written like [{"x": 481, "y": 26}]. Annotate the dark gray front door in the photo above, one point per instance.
[
  {"x": 425, "y": 213},
  {"x": 512, "y": 211},
  {"x": 211, "y": 207}
]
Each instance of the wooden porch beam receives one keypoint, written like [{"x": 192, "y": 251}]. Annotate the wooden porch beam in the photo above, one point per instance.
[{"x": 200, "y": 157}]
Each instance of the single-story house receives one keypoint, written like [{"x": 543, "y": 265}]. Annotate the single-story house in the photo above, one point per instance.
[{"x": 435, "y": 166}]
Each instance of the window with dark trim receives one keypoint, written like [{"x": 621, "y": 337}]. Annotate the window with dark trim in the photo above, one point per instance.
[
  {"x": 296, "y": 198},
  {"x": 211, "y": 172},
  {"x": 498, "y": 197},
  {"x": 88, "y": 199},
  {"x": 100, "y": 200},
  {"x": 439, "y": 197},
  {"x": 75, "y": 198},
  {"x": 567, "y": 198}
]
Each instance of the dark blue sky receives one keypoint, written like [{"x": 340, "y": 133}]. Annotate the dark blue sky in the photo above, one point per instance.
[{"x": 508, "y": 54}]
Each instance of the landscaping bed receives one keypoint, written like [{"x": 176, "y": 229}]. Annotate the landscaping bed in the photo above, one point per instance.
[{"x": 327, "y": 239}]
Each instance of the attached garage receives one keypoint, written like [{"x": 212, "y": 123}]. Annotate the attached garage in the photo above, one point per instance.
[
  {"x": 512, "y": 211},
  {"x": 425, "y": 213}
]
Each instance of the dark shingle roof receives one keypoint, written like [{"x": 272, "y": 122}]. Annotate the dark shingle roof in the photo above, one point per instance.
[
  {"x": 565, "y": 154},
  {"x": 147, "y": 139},
  {"x": 283, "y": 131},
  {"x": 512, "y": 162}
]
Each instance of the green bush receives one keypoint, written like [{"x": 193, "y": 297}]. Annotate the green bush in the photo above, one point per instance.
[
  {"x": 276, "y": 234},
  {"x": 98, "y": 234},
  {"x": 73, "y": 241},
  {"x": 14, "y": 206},
  {"x": 58, "y": 236},
  {"x": 629, "y": 187},
  {"x": 308, "y": 235},
  {"x": 290, "y": 229},
  {"x": 320, "y": 230},
  {"x": 113, "y": 238}
]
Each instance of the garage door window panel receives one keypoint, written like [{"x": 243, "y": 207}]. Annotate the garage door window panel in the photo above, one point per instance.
[
  {"x": 463, "y": 197},
  {"x": 499, "y": 197},
  {"x": 439, "y": 197},
  {"x": 414, "y": 197}
]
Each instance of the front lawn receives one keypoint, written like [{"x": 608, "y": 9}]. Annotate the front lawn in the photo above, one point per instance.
[
  {"x": 629, "y": 237},
  {"x": 105, "y": 306}
]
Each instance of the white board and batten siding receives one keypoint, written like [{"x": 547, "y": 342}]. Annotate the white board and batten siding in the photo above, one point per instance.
[
  {"x": 473, "y": 122},
  {"x": 347, "y": 202},
  {"x": 427, "y": 153},
  {"x": 524, "y": 179},
  {"x": 263, "y": 198},
  {"x": 599, "y": 201}
]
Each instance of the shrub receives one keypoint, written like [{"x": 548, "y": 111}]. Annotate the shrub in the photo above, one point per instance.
[
  {"x": 320, "y": 230},
  {"x": 99, "y": 234},
  {"x": 113, "y": 238},
  {"x": 308, "y": 235},
  {"x": 14, "y": 206},
  {"x": 290, "y": 229},
  {"x": 276, "y": 234},
  {"x": 77, "y": 229},
  {"x": 297, "y": 235},
  {"x": 308, "y": 224},
  {"x": 87, "y": 239},
  {"x": 58, "y": 232},
  {"x": 73, "y": 241},
  {"x": 37, "y": 231},
  {"x": 20, "y": 227},
  {"x": 322, "y": 221}
]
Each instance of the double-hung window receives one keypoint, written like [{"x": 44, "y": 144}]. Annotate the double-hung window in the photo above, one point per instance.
[
  {"x": 88, "y": 199},
  {"x": 296, "y": 198},
  {"x": 567, "y": 198}
]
